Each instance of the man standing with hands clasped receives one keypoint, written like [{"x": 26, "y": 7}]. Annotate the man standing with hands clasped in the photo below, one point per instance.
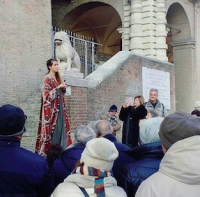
[{"x": 155, "y": 104}]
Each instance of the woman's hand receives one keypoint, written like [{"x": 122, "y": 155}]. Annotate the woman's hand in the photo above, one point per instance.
[
  {"x": 125, "y": 105},
  {"x": 62, "y": 86}
]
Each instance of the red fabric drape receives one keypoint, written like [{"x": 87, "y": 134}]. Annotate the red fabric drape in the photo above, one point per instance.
[{"x": 48, "y": 115}]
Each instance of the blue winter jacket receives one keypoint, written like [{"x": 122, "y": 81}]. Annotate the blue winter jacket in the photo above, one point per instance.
[
  {"x": 147, "y": 160},
  {"x": 63, "y": 166},
  {"x": 22, "y": 173},
  {"x": 123, "y": 158}
]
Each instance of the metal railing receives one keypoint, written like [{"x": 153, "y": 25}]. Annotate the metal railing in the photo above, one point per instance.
[{"x": 86, "y": 48}]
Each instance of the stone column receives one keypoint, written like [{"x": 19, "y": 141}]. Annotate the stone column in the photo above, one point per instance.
[
  {"x": 136, "y": 34},
  {"x": 183, "y": 52},
  {"x": 161, "y": 31},
  {"x": 126, "y": 26},
  {"x": 197, "y": 56},
  {"x": 149, "y": 27}
]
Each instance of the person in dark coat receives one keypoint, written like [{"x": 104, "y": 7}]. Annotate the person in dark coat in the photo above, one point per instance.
[
  {"x": 104, "y": 129},
  {"x": 131, "y": 116},
  {"x": 63, "y": 166},
  {"x": 147, "y": 160},
  {"x": 22, "y": 173}
]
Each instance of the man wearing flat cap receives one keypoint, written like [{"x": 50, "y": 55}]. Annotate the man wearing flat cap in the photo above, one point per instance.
[
  {"x": 22, "y": 173},
  {"x": 179, "y": 172}
]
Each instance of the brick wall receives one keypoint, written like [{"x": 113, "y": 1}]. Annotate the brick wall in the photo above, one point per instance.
[
  {"x": 24, "y": 48},
  {"x": 119, "y": 77},
  {"x": 76, "y": 105}
]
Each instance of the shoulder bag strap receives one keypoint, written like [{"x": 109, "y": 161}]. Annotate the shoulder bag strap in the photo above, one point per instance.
[{"x": 84, "y": 191}]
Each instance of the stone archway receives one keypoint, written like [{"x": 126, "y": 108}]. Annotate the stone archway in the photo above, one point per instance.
[
  {"x": 93, "y": 19},
  {"x": 180, "y": 39}
]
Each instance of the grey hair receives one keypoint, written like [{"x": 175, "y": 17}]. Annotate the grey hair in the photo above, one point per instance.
[
  {"x": 83, "y": 134},
  {"x": 153, "y": 90},
  {"x": 103, "y": 127},
  {"x": 149, "y": 130},
  {"x": 153, "y": 113}
]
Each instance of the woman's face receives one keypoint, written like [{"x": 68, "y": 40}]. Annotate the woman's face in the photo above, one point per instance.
[
  {"x": 54, "y": 67},
  {"x": 136, "y": 102}
]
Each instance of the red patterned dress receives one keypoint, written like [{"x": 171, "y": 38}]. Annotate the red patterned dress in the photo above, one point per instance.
[{"x": 52, "y": 101}]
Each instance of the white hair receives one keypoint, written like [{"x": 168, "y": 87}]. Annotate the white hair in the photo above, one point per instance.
[
  {"x": 153, "y": 113},
  {"x": 83, "y": 134},
  {"x": 153, "y": 90},
  {"x": 149, "y": 130}
]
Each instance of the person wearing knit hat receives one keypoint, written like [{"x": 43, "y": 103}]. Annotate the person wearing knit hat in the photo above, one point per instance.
[
  {"x": 179, "y": 172},
  {"x": 178, "y": 126},
  {"x": 112, "y": 118},
  {"x": 113, "y": 108},
  {"x": 12, "y": 121},
  {"x": 20, "y": 169},
  {"x": 93, "y": 175}
]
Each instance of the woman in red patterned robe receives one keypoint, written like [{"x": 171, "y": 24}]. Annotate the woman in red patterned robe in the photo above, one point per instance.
[{"x": 53, "y": 125}]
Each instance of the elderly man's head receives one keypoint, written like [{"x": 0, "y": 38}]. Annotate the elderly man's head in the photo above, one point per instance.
[
  {"x": 83, "y": 134},
  {"x": 153, "y": 95},
  {"x": 102, "y": 128}
]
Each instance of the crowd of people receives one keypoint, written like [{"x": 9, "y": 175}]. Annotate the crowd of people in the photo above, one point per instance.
[{"x": 159, "y": 154}]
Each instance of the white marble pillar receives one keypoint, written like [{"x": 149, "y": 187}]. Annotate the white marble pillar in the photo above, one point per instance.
[
  {"x": 126, "y": 26},
  {"x": 197, "y": 53},
  {"x": 149, "y": 27},
  {"x": 161, "y": 30},
  {"x": 136, "y": 34}
]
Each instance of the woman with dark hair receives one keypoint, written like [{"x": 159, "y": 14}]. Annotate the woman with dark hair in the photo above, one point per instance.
[
  {"x": 54, "y": 152},
  {"x": 53, "y": 124},
  {"x": 131, "y": 116}
]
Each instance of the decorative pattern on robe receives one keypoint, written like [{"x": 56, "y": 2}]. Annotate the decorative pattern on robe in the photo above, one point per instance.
[{"x": 50, "y": 102}]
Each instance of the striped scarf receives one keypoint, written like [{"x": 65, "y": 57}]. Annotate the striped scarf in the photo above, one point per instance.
[
  {"x": 99, "y": 178},
  {"x": 112, "y": 119}
]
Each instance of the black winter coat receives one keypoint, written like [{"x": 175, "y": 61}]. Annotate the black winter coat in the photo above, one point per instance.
[
  {"x": 131, "y": 117},
  {"x": 147, "y": 160}
]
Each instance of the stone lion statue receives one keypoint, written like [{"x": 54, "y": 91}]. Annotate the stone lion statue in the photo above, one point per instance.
[{"x": 66, "y": 55}]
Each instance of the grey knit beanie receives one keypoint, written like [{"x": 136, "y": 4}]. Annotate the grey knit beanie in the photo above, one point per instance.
[{"x": 178, "y": 126}]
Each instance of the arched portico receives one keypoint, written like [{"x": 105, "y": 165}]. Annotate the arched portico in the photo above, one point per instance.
[{"x": 182, "y": 41}]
